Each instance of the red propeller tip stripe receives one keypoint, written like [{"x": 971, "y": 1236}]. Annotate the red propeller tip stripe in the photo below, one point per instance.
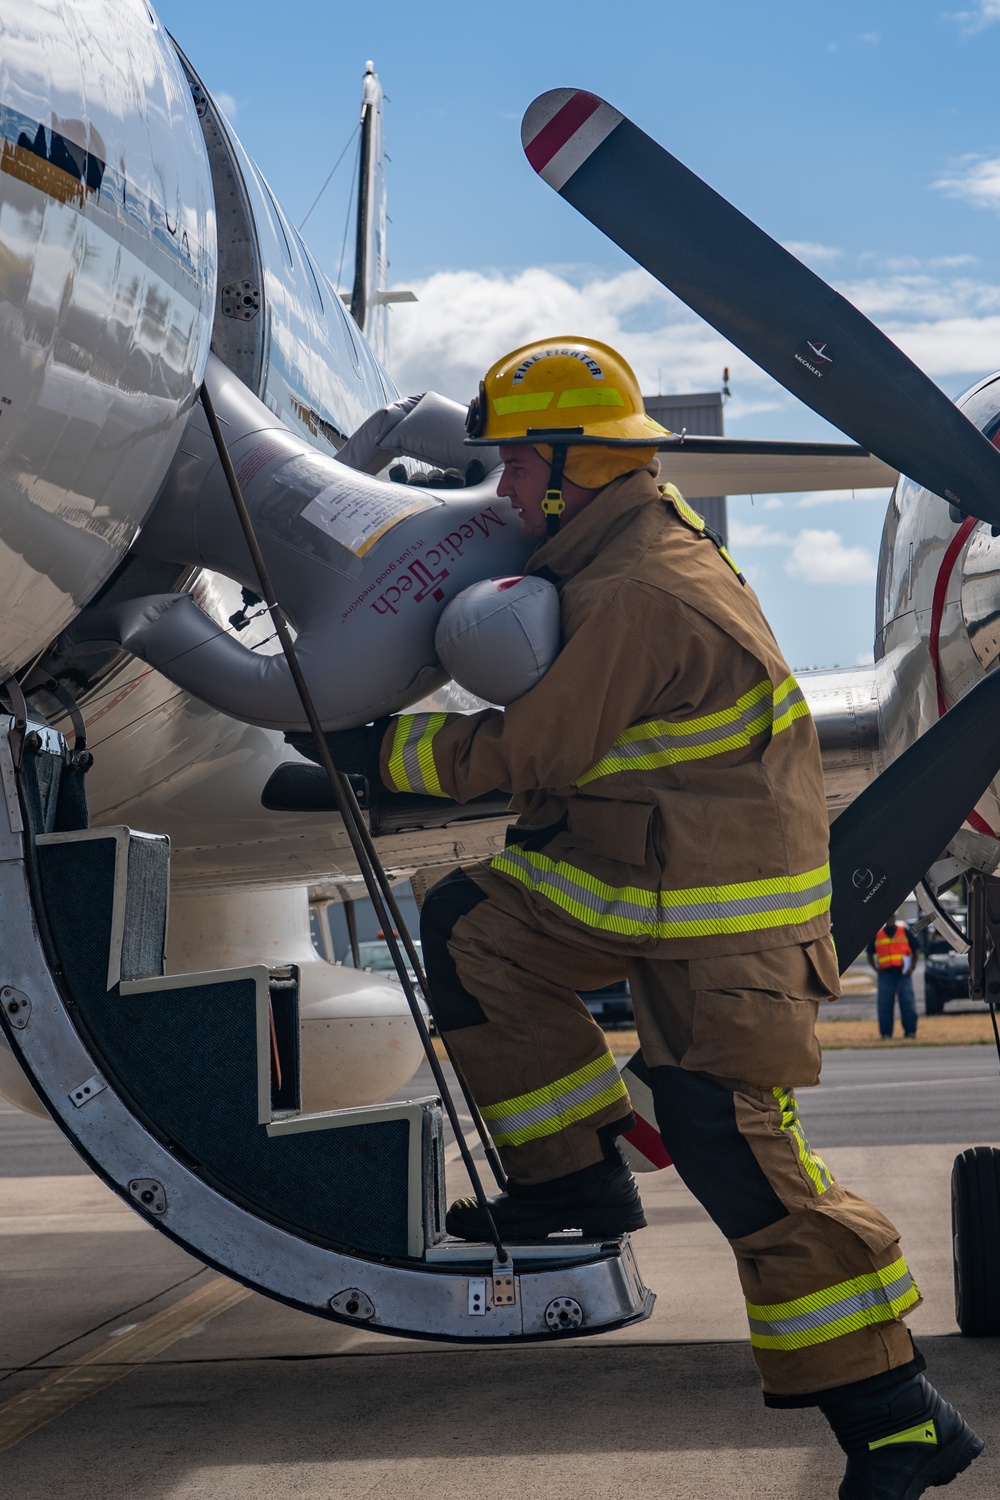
[
  {"x": 563, "y": 124},
  {"x": 561, "y": 129}
]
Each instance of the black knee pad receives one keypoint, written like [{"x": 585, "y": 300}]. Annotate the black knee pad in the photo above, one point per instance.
[
  {"x": 444, "y": 904},
  {"x": 697, "y": 1119}
]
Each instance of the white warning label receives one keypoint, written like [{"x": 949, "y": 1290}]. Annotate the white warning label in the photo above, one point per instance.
[{"x": 357, "y": 519}]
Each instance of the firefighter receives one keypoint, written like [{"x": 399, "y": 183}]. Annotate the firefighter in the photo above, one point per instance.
[{"x": 671, "y": 829}]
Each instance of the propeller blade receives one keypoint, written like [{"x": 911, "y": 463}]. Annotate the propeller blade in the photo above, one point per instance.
[
  {"x": 892, "y": 833},
  {"x": 810, "y": 338}
]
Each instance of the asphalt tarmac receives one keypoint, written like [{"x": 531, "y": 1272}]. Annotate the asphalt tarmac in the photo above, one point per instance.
[
  {"x": 254, "y": 1399},
  {"x": 903, "y": 1097}
]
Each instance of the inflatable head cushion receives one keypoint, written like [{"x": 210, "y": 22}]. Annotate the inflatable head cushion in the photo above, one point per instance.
[{"x": 500, "y": 636}]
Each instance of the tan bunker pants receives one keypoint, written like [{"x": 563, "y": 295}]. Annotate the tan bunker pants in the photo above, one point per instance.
[{"x": 726, "y": 1041}]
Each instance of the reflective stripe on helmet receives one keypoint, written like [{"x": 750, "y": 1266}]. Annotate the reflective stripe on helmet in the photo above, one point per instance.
[
  {"x": 702, "y": 911},
  {"x": 876, "y": 1297},
  {"x": 606, "y": 396},
  {"x": 411, "y": 759},
  {"x": 554, "y": 1106},
  {"x": 506, "y": 406},
  {"x": 665, "y": 742}
]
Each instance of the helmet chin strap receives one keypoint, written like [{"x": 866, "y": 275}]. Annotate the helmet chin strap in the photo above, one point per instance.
[{"x": 553, "y": 504}]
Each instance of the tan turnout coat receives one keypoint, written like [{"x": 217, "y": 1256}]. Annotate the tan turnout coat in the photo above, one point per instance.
[{"x": 665, "y": 769}]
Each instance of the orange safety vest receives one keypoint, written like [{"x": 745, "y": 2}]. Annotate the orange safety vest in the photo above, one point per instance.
[{"x": 890, "y": 951}]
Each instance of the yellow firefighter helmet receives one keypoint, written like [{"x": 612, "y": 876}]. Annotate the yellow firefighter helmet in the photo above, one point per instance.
[{"x": 561, "y": 391}]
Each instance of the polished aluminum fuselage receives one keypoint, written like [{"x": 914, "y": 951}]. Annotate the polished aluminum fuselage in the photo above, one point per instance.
[{"x": 107, "y": 283}]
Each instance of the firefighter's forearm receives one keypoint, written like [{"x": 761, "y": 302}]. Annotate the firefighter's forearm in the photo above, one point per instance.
[
  {"x": 600, "y": 683},
  {"x": 423, "y": 753}
]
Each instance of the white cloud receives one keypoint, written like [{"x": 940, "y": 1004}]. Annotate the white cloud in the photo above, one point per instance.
[
  {"x": 808, "y": 250},
  {"x": 899, "y": 265},
  {"x": 871, "y": 38},
  {"x": 945, "y": 320},
  {"x": 948, "y": 261},
  {"x": 814, "y": 556},
  {"x": 773, "y": 502},
  {"x": 740, "y": 406},
  {"x": 984, "y": 15},
  {"x": 955, "y": 346},
  {"x": 974, "y": 179},
  {"x": 464, "y": 320},
  {"x": 824, "y": 557},
  {"x": 228, "y": 105},
  {"x": 948, "y": 326},
  {"x": 754, "y": 534},
  {"x": 878, "y": 497}
]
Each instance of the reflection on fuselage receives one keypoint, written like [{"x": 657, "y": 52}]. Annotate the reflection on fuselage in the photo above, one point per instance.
[{"x": 107, "y": 278}]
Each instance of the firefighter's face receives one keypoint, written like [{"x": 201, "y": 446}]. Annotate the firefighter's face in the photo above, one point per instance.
[{"x": 524, "y": 482}]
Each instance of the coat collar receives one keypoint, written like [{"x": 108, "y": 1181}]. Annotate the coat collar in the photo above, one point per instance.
[{"x": 579, "y": 541}]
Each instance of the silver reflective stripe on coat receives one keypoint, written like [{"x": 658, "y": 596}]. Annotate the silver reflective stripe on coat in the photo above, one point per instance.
[
  {"x": 745, "y": 906},
  {"x": 663, "y": 742}
]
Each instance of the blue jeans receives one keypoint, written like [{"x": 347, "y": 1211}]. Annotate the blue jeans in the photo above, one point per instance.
[{"x": 893, "y": 983}]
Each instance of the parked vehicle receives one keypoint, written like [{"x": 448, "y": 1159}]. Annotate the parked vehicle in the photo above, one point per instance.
[
  {"x": 611, "y": 1006},
  {"x": 946, "y": 977},
  {"x": 376, "y": 956}
]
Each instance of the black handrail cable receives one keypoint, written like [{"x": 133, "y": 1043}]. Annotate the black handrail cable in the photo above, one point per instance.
[{"x": 350, "y": 812}]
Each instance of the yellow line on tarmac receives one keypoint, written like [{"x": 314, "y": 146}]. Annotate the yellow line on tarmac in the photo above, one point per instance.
[{"x": 24, "y": 1413}]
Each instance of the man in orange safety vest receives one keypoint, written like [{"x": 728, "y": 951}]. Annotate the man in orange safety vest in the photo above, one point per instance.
[{"x": 892, "y": 955}]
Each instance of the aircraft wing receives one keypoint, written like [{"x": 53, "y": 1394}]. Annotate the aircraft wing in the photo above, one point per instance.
[{"x": 701, "y": 466}]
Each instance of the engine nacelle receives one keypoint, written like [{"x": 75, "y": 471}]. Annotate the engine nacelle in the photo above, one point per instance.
[{"x": 361, "y": 567}]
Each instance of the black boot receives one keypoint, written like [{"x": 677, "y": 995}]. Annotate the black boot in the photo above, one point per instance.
[
  {"x": 899, "y": 1439},
  {"x": 602, "y": 1201}
]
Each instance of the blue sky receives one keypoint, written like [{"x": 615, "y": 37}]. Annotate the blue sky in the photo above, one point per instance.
[{"x": 865, "y": 136}]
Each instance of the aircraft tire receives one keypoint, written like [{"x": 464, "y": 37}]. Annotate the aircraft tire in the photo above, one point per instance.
[{"x": 975, "y": 1218}]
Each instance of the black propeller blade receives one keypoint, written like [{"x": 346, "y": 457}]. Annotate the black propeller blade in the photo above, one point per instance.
[
  {"x": 892, "y": 833},
  {"x": 759, "y": 296}
]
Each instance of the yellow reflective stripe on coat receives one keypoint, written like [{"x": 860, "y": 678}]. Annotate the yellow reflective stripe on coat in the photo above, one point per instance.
[
  {"x": 672, "y": 495},
  {"x": 664, "y": 742},
  {"x": 877, "y": 1297},
  {"x": 815, "y": 1167},
  {"x": 686, "y": 512},
  {"x": 411, "y": 759},
  {"x": 547, "y": 1110},
  {"x": 701, "y": 911}
]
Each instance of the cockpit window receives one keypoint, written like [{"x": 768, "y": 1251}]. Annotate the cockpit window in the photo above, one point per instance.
[
  {"x": 279, "y": 216},
  {"x": 313, "y": 278}
]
